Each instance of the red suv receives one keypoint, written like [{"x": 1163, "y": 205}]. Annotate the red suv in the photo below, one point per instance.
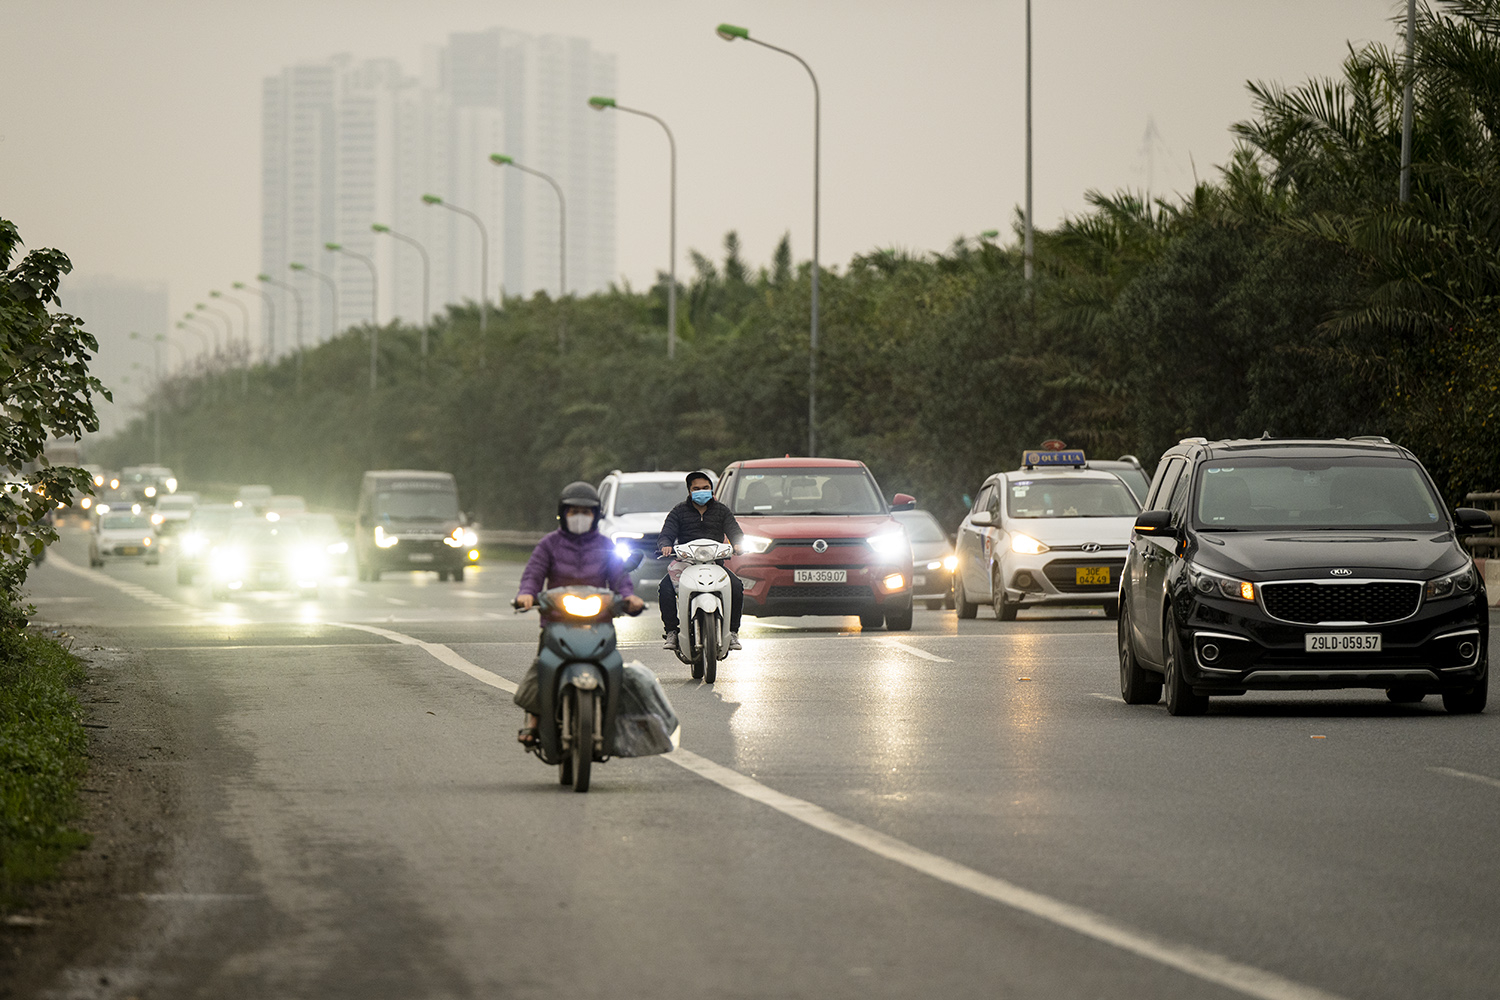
[{"x": 819, "y": 540}]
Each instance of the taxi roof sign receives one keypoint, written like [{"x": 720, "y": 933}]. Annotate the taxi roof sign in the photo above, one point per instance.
[{"x": 1071, "y": 458}]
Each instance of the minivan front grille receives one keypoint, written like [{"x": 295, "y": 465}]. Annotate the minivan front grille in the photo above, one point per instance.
[{"x": 1314, "y": 603}]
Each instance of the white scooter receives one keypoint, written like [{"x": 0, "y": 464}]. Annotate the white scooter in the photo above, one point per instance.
[{"x": 703, "y": 605}]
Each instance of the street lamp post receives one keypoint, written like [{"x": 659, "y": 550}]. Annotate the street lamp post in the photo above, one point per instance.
[
  {"x": 202, "y": 337},
  {"x": 599, "y": 104},
  {"x": 426, "y": 275},
  {"x": 228, "y": 324},
  {"x": 244, "y": 318},
  {"x": 1027, "y": 247},
  {"x": 484, "y": 257},
  {"x": 333, "y": 291},
  {"x": 1406, "y": 101},
  {"x": 270, "y": 344},
  {"x": 212, "y": 329},
  {"x": 729, "y": 33},
  {"x": 297, "y": 303},
  {"x": 500, "y": 159},
  {"x": 374, "y": 309}
]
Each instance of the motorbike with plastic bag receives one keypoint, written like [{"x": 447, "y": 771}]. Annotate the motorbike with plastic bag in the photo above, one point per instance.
[
  {"x": 594, "y": 706},
  {"x": 703, "y": 604}
]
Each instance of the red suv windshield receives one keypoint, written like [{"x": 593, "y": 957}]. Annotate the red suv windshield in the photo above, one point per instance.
[{"x": 846, "y": 491}]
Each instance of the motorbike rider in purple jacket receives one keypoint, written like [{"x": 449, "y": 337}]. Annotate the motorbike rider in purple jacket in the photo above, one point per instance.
[{"x": 575, "y": 555}]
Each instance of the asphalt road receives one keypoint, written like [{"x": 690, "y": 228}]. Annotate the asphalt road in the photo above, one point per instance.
[{"x": 964, "y": 810}]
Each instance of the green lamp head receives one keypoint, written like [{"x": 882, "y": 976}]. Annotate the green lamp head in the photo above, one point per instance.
[
  {"x": 377, "y": 227},
  {"x": 600, "y": 103},
  {"x": 730, "y": 32},
  {"x": 237, "y": 284},
  {"x": 262, "y": 277},
  {"x": 432, "y": 199},
  {"x": 214, "y": 294},
  {"x": 297, "y": 267},
  {"x": 333, "y": 246},
  {"x": 989, "y": 234},
  {"x": 501, "y": 159}
]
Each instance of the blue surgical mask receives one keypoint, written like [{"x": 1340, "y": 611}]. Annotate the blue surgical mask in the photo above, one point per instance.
[{"x": 701, "y": 497}]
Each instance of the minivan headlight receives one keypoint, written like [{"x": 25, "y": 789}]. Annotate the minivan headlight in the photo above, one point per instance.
[
  {"x": 1213, "y": 585},
  {"x": 383, "y": 540},
  {"x": 1452, "y": 585}
]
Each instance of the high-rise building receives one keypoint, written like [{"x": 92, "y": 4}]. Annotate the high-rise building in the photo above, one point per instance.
[
  {"x": 112, "y": 309},
  {"x": 347, "y": 144}
]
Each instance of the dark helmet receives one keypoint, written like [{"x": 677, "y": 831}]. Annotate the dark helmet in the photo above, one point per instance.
[{"x": 579, "y": 494}]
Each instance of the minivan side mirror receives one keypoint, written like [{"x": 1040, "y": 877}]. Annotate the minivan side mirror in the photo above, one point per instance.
[
  {"x": 903, "y": 501},
  {"x": 1472, "y": 521},
  {"x": 982, "y": 519},
  {"x": 1154, "y": 522}
]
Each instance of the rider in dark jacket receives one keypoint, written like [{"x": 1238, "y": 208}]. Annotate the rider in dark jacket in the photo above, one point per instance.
[
  {"x": 699, "y": 516},
  {"x": 575, "y": 555}
]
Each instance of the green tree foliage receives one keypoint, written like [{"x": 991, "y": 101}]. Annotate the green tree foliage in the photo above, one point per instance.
[
  {"x": 45, "y": 391},
  {"x": 1292, "y": 293}
]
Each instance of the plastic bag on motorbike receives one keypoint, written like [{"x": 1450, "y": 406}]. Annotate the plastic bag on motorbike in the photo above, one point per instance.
[{"x": 644, "y": 721}]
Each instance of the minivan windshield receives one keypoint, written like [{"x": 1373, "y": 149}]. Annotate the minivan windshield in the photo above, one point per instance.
[
  {"x": 416, "y": 505},
  {"x": 805, "y": 491},
  {"x": 1070, "y": 498},
  {"x": 649, "y": 498},
  {"x": 1333, "y": 491}
]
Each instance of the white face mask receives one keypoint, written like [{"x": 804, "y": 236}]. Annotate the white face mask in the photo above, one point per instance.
[{"x": 579, "y": 524}]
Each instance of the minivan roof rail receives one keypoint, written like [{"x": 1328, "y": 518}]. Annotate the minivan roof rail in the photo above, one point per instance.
[{"x": 1194, "y": 440}]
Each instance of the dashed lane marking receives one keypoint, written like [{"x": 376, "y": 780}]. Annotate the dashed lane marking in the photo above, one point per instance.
[
  {"x": 914, "y": 651},
  {"x": 134, "y": 590},
  {"x": 1482, "y": 779},
  {"x": 1204, "y": 965}
]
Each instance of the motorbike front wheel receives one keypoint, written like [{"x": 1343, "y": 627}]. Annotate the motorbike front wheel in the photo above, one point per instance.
[
  {"x": 708, "y": 647},
  {"x": 583, "y": 738}
]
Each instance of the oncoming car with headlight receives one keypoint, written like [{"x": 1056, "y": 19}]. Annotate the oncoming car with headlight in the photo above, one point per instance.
[
  {"x": 409, "y": 519},
  {"x": 207, "y": 526},
  {"x": 266, "y": 554},
  {"x": 1301, "y": 565},
  {"x": 819, "y": 540},
  {"x": 122, "y": 534},
  {"x": 1052, "y": 533}
]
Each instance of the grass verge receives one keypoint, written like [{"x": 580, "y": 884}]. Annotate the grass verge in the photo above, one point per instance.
[{"x": 43, "y": 756}]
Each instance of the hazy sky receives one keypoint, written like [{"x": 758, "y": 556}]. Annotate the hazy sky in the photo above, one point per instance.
[{"x": 130, "y": 131}]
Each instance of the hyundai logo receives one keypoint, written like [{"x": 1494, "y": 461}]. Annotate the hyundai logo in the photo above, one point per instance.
[
  {"x": 820, "y": 546},
  {"x": 1091, "y": 546},
  {"x": 1341, "y": 572}
]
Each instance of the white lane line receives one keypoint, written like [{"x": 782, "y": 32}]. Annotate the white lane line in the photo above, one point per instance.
[
  {"x": 1106, "y": 697},
  {"x": 440, "y": 652},
  {"x": 914, "y": 651},
  {"x": 136, "y": 591},
  {"x": 397, "y": 600},
  {"x": 1205, "y": 965},
  {"x": 1450, "y": 772}
]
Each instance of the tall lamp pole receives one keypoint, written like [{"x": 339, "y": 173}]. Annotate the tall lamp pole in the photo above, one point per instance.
[
  {"x": 266, "y": 279},
  {"x": 333, "y": 290},
  {"x": 244, "y": 317},
  {"x": 599, "y": 104},
  {"x": 202, "y": 337},
  {"x": 500, "y": 159},
  {"x": 484, "y": 256},
  {"x": 1406, "y": 102},
  {"x": 426, "y": 274},
  {"x": 729, "y": 33},
  {"x": 374, "y": 309},
  {"x": 1027, "y": 245},
  {"x": 269, "y": 348},
  {"x": 213, "y": 329}
]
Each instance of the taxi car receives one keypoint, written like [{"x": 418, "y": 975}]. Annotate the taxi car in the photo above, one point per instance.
[
  {"x": 819, "y": 540},
  {"x": 1301, "y": 565},
  {"x": 632, "y": 508},
  {"x": 1052, "y": 533}
]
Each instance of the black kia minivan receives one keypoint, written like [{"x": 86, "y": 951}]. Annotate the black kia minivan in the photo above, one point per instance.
[{"x": 1300, "y": 565}]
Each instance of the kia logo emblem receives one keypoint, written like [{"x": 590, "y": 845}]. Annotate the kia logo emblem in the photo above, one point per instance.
[
  {"x": 820, "y": 546},
  {"x": 1091, "y": 546},
  {"x": 1341, "y": 572}
]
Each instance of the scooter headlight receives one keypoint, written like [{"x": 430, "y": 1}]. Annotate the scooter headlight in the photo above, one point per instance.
[{"x": 582, "y": 607}]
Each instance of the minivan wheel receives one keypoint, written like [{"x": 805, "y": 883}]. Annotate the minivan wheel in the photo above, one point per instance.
[
  {"x": 961, "y": 602},
  {"x": 1180, "y": 697},
  {"x": 1138, "y": 686},
  {"x": 1470, "y": 702}
]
